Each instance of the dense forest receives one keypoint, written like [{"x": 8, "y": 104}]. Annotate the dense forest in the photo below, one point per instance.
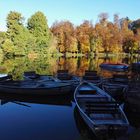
[{"x": 35, "y": 37}]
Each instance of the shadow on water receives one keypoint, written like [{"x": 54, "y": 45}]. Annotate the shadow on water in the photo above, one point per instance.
[
  {"x": 36, "y": 117},
  {"x": 64, "y": 100},
  {"x": 84, "y": 132}
]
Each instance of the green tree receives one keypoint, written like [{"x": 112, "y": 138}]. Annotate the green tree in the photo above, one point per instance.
[
  {"x": 8, "y": 47},
  {"x": 14, "y": 24},
  {"x": 38, "y": 27},
  {"x": 2, "y": 37},
  {"x": 18, "y": 34}
]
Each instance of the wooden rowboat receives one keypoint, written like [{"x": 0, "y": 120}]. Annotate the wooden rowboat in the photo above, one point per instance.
[
  {"x": 92, "y": 77},
  {"x": 117, "y": 91},
  {"x": 64, "y": 76},
  {"x": 114, "y": 66},
  {"x": 117, "y": 86},
  {"x": 30, "y": 87},
  {"x": 100, "y": 111}
]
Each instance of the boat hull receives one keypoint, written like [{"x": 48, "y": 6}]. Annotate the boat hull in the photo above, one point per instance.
[
  {"x": 103, "y": 130},
  {"x": 114, "y": 67},
  {"x": 65, "y": 88}
]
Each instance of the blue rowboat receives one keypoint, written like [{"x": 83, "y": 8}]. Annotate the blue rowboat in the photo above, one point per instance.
[{"x": 114, "y": 66}]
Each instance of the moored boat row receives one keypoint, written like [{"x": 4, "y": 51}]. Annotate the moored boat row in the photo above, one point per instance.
[
  {"x": 42, "y": 83},
  {"x": 98, "y": 109},
  {"x": 26, "y": 88}
]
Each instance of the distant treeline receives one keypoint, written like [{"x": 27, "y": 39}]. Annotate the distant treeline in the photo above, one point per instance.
[{"x": 120, "y": 36}]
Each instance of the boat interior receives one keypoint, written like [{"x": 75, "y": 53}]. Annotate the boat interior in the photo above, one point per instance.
[{"x": 99, "y": 108}]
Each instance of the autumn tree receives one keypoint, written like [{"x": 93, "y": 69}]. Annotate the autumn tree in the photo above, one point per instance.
[
  {"x": 65, "y": 33},
  {"x": 108, "y": 34},
  {"x": 103, "y": 18},
  {"x": 83, "y": 34},
  {"x": 135, "y": 27},
  {"x": 127, "y": 35}
]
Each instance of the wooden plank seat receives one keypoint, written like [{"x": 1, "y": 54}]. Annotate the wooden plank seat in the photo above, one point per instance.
[
  {"x": 91, "y": 77},
  {"x": 112, "y": 103},
  {"x": 102, "y": 111},
  {"x": 105, "y": 116},
  {"x": 64, "y": 77},
  {"x": 90, "y": 73},
  {"x": 87, "y": 91},
  {"x": 87, "y": 97},
  {"x": 102, "y": 107}
]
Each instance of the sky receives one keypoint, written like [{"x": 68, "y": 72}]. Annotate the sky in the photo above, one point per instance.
[{"x": 75, "y": 11}]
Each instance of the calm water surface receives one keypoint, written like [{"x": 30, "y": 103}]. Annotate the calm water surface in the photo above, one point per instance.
[
  {"x": 55, "y": 120},
  {"x": 31, "y": 121},
  {"x": 45, "y": 65},
  {"x": 52, "y": 119}
]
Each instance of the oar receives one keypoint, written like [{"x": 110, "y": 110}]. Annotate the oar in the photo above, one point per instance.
[{"x": 21, "y": 103}]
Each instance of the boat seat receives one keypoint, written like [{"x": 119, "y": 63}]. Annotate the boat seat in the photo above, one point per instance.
[
  {"x": 87, "y": 97},
  {"x": 104, "y": 117},
  {"x": 87, "y": 91},
  {"x": 102, "y": 111},
  {"x": 91, "y": 77},
  {"x": 102, "y": 102},
  {"x": 68, "y": 77},
  {"x": 90, "y": 73},
  {"x": 102, "y": 105}
]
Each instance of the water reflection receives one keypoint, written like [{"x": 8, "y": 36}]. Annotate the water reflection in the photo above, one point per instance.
[
  {"x": 50, "y": 65},
  {"x": 37, "y": 119},
  {"x": 48, "y": 117}
]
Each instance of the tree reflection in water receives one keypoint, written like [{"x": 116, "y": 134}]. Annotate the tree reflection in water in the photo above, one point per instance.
[{"x": 50, "y": 65}]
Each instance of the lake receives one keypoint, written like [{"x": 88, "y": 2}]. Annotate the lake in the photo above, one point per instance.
[
  {"x": 47, "y": 119},
  {"x": 52, "y": 118},
  {"x": 50, "y": 65}
]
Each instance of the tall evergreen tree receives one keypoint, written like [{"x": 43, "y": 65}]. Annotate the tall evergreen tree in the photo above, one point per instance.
[
  {"x": 17, "y": 33},
  {"x": 38, "y": 26},
  {"x": 14, "y": 24}
]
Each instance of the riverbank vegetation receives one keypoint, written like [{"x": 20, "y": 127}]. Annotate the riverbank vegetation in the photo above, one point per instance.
[{"x": 63, "y": 38}]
